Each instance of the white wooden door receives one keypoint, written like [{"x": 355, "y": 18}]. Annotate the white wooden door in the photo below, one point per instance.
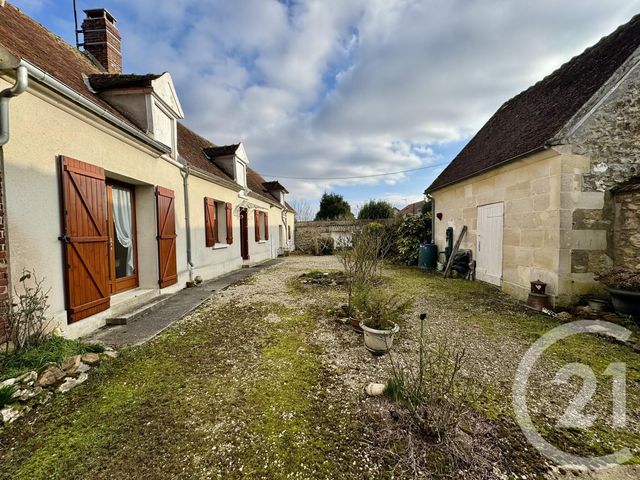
[{"x": 489, "y": 243}]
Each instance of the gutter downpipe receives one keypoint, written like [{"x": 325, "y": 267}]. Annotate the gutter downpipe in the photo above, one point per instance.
[
  {"x": 22, "y": 82},
  {"x": 42, "y": 77},
  {"x": 185, "y": 172}
]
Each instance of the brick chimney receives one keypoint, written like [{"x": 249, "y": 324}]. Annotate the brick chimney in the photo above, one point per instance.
[{"x": 102, "y": 39}]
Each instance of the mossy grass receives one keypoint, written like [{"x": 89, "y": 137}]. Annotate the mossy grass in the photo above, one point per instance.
[
  {"x": 484, "y": 311},
  {"x": 55, "y": 349},
  {"x": 230, "y": 398}
]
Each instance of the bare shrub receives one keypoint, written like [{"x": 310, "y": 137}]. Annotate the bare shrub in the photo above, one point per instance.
[
  {"x": 433, "y": 389},
  {"x": 439, "y": 400},
  {"x": 361, "y": 259},
  {"x": 25, "y": 314}
]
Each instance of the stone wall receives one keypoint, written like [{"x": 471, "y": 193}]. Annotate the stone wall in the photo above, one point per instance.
[
  {"x": 603, "y": 140},
  {"x": 626, "y": 230},
  {"x": 609, "y": 136},
  {"x": 340, "y": 230}
]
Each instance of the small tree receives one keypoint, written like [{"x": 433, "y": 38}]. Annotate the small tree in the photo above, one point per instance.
[
  {"x": 333, "y": 207},
  {"x": 361, "y": 259},
  {"x": 376, "y": 210},
  {"x": 304, "y": 211}
]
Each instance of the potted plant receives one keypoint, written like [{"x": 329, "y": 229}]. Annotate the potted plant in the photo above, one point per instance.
[
  {"x": 623, "y": 284},
  {"x": 378, "y": 311}
]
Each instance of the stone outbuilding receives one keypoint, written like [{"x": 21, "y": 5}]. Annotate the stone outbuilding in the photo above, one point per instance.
[{"x": 549, "y": 188}]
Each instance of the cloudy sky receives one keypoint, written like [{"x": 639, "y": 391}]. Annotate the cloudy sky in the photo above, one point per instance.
[{"x": 347, "y": 88}]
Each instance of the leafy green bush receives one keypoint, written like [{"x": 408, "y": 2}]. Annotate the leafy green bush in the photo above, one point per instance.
[
  {"x": 379, "y": 308},
  {"x": 6, "y": 394},
  {"x": 53, "y": 350},
  {"x": 410, "y": 234}
]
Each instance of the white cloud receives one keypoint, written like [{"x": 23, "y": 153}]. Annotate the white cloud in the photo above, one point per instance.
[{"x": 334, "y": 88}]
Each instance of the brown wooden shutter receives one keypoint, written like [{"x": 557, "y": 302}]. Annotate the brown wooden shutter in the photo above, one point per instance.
[
  {"x": 210, "y": 224},
  {"x": 166, "y": 237},
  {"x": 229, "y": 210},
  {"x": 256, "y": 218},
  {"x": 86, "y": 249},
  {"x": 266, "y": 226}
]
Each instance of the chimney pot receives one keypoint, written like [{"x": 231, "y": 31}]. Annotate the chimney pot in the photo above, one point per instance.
[{"x": 102, "y": 39}]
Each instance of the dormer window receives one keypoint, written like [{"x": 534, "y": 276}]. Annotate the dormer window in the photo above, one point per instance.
[
  {"x": 276, "y": 190},
  {"x": 148, "y": 101},
  {"x": 232, "y": 160}
]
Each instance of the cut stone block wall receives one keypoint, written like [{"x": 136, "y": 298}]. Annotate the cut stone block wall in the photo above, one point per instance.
[
  {"x": 530, "y": 189},
  {"x": 626, "y": 231}
]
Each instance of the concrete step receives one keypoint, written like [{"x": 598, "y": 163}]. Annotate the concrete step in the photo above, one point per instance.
[
  {"x": 132, "y": 299},
  {"x": 135, "y": 313}
]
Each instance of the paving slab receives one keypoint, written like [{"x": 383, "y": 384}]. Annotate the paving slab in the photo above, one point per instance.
[{"x": 147, "y": 326}]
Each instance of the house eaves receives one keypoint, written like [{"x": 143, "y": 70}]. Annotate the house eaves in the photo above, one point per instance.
[{"x": 57, "y": 86}]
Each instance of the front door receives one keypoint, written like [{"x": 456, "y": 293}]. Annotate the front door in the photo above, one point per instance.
[
  {"x": 244, "y": 234},
  {"x": 489, "y": 243},
  {"x": 122, "y": 238}
]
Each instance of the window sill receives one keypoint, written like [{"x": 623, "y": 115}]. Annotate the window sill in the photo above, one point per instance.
[
  {"x": 263, "y": 241},
  {"x": 219, "y": 246}
]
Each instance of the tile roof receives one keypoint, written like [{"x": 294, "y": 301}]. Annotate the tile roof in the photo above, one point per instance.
[
  {"x": 255, "y": 181},
  {"x": 274, "y": 186},
  {"x": 107, "y": 81},
  {"x": 413, "y": 208},
  {"x": 192, "y": 148},
  {"x": 222, "y": 151},
  {"x": 528, "y": 121},
  {"x": 32, "y": 42}
]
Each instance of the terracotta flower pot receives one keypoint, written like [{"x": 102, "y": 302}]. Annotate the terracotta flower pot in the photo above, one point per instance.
[{"x": 355, "y": 324}]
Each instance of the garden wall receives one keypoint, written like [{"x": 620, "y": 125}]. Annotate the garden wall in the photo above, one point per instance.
[{"x": 341, "y": 231}]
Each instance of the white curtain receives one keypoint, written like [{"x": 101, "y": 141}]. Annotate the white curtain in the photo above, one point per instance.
[{"x": 122, "y": 220}]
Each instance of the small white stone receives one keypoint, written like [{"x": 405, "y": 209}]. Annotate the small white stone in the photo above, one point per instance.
[
  {"x": 375, "y": 389},
  {"x": 82, "y": 368},
  {"x": 28, "y": 378},
  {"x": 70, "y": 382},
  {"x": 9, "y": 382},
  {"x": 27, "y": 394},
  {"x": 10, "y": 414}
]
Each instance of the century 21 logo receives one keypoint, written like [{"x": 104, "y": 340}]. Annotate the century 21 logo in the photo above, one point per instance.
[{"x": 573, "y": 416}]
